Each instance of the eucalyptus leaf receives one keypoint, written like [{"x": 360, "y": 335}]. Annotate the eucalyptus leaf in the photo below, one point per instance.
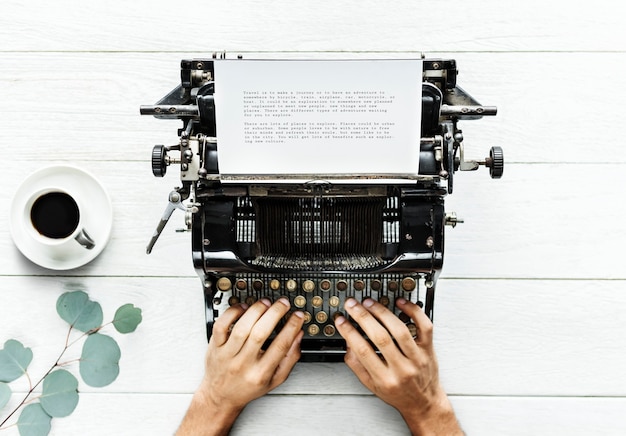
[
  {"x": 99, "y": 361},
  {"x": 14, "y": 359},
  {"x": 127, "y": 318},
  {"x": 60, "y": 393},
  {"x": 34, "y": 421},
  {"x": 79, "y": 311},
  {"x": 5, "y": 394}
]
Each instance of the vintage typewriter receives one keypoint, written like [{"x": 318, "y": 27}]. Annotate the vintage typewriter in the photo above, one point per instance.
[{"x": 323, "y": 239}]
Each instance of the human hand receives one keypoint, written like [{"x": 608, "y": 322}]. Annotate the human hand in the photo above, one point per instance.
[
  {"x": 237, "y": 369},
  {"x": 406, "y": 375}
]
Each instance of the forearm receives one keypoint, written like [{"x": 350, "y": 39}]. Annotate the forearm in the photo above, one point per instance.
[
  {"x": 203, "y": 418},
  {"x": 437, "y": 419}
]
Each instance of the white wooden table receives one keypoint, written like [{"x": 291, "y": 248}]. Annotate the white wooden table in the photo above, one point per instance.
[{"x": 530, "y": 325}]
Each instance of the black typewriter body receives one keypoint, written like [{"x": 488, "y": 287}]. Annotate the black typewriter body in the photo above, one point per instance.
[{"x": 316, "y": 242}]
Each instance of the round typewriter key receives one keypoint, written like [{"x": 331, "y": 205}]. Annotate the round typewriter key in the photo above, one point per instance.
[
  {"x": 299, "y": 301},
  {"x": 329, "y": 330},
  {"x": 412, "y": 329},
  {"x": 241, "y": 285},
  {"x": 317, "y": 301},
  {"x": 313, "y": 329},
  {"x": 384, "y": 300},
  {"x": 392, "y": 285},
  {"x": 224, "y": 284},
  {"x": 274, "y": 285},
  {"x": 358, "y": 285},
  {"x": 291, "y": 285},
  {"x": 321, "y": 317},
  {"x": 250, "y": 300},
  {"x": 333, "y": 301},
  {"x": 307, "y": 317},
  {"x": 257, "y": 285},
  {"x": 342, "y": 285},
  {"x": 325, "y": 285},
  {"x": 308, "y": 286},
  {"x": 376, "y": 285},
  {"x": 409, "y": 284},
  {"x": 233, "y": 300},
  {"x": 404, "y": 317}
]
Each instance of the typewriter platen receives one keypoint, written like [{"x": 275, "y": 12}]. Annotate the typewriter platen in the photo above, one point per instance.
[{"x": 316, "y": 242}]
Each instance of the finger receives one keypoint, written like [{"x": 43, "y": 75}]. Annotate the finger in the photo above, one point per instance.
[
  {"x": 376, "y": 332},
  {"x": 265, "y": 325},
  {"x": 243, "y": 327},
  {"x": 361, "y": 349},
  {"x": 395, "y": 327},
  {"x": 359, "y": 370},
  {"x": 223, "y": 324},
  {"x": 288, "y": 362},
  {"x": 423, "y": 324},
  {"x": 283, "y": 342}
]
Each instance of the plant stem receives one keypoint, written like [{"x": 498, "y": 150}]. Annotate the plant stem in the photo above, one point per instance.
[{"x": 28, "y": 394}]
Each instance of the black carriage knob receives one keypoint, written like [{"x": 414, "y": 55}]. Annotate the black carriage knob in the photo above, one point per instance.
[
  {"x": 495, "y": 162},
  {"x": 159, "y": 162}
]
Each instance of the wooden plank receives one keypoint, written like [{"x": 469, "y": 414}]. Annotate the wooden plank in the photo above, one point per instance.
[
  {"x": 85, "y": 106},
  {"x": 493, "y": 337},
  {"x": 539, "y": 221},
  {"x": 146, "y": 414},
  {"x": 70, "y": 25}
]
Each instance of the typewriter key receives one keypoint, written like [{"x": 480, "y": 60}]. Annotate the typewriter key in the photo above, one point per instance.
[
  {"x": 321, "y": 317},
  {"x": 291, "y": 285},
  {"x": 224, "y": 284},
  {"x": 308, "y": 286},
  {"x": 329, "y": 330},
  {"x": 313, "y": 329},
  {"x": 299, "y": 301},
  {"x": 325, "y": 285},
  {"x": 274, "y": 285},
  {"x": 257, "y": 285},
  {"x": 317, "y": 301},
  {"x": 241, "y": 285},
  {"x": 233, "y": 300},
  {"x": 307, "y": 317},
  {"x": 409, "y": 284},
  {"x": 412, "y": 329},
  {"x": 250, "y": 300},
  {"x": 384, "y": 300},
  {"x": 392, "y": 285},
  {"x": 376, "y": 285},
  {"x": 342, "y": 285},
  {"x": 358, "y": 285},
  {"x": 333, "y": 301},
  {"x": 404, "y": 317}
]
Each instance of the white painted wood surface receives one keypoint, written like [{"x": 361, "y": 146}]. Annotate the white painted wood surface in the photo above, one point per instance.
[{"x": 530, "y": 330}]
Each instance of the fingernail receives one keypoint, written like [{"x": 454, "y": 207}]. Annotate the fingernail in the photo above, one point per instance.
[
  {"x": 284, "y": 301},
  {"x": 368, "y": 302},
  {"x": 265, "y": 301},
  {"x": 350, "y": 302},
  {"x": 339, "y": 320},
  {"x": 401, "y": 301},
  {"x": 299, "y": 314},
  {"x": 244, "y": 306}
]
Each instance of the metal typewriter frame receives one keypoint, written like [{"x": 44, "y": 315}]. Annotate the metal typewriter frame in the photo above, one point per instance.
[{"x": 226, "y": 259}]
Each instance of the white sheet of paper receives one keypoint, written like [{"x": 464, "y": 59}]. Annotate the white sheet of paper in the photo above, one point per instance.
[{"x": 332, "y": 117}]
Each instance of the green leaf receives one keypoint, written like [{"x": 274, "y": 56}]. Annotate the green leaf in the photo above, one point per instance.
[
  {"x": 14, "y": 359},
  {"x": 127, "y": 318},
  {"x": 60, "y": 393},
  {"x": 79, "y": 311},
  {"x": 34, "y": 421},
  {"x": 99, "y": 361},
  {"x": 5, "y": 394}
]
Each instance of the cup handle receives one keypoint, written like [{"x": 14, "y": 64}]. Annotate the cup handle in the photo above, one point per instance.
[{"x": 85, "y": 240}]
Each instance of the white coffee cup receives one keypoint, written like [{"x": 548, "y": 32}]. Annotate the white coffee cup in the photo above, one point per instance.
[{"x": 52, "y": 217}]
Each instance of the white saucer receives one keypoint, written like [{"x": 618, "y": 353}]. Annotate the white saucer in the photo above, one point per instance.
[{"x": 97, "y": 218}]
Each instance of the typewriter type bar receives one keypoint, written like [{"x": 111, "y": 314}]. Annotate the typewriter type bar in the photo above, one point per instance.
[{"x": 306, "y": 237}]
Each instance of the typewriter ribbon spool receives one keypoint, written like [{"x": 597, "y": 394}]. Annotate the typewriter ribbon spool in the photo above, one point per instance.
[{"x": 313, "y": 238}]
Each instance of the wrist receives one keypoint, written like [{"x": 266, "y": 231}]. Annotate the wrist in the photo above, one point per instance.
[
  {"x": 436, "y": 418},
  {"x": 207, "y": 417}
]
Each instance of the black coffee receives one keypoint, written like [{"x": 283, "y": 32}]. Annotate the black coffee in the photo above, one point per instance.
[{"x": 55, "y": 215}]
